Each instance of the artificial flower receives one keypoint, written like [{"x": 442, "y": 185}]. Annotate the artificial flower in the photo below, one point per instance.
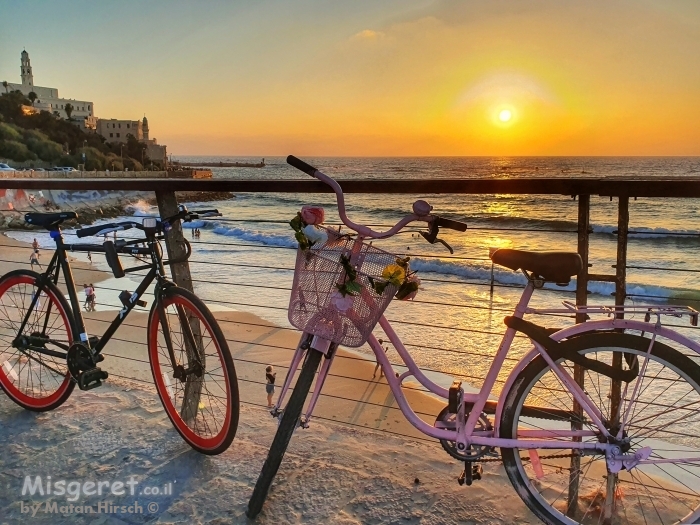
[
  {"x": 312, "y": 214},
  {"x": 342, "y": 303},
  {"x": 314, "y": 234},
  {"x": 409, "y": 288},
  {"x": 394, "y": 274}
]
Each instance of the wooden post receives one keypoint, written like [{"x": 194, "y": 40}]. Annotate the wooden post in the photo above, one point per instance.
[
  {"x": 623, "y": 216},
  {"x": 175, "y": 246},
  {"x": 584, "y": 202},
  {"x": 175, "y": 240}
]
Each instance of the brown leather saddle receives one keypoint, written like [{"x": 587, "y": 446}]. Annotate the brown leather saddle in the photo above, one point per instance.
[{"x": 556, "y": 267}]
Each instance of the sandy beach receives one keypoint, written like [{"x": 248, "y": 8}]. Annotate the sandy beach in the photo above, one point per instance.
[{"x": 333, "y": 473}]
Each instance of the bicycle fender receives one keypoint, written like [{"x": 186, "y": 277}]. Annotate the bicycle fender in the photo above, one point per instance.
[{"x": 569, "y": 350}]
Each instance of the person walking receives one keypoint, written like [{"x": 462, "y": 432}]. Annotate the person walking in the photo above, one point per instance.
[
  {"x": 35, "y": 245},
  {"x": 93, "y": 297},
  {"x": 270, "y": 386},
  {"x": 34, "y": 259},
  {"x": 88, "y": 294}
]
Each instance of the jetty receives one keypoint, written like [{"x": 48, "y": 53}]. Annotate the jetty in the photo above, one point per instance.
[{"x": 196, "y": 165}]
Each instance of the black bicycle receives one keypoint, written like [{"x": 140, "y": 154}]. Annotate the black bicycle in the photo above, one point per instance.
[{"x": 45, "y": 349}]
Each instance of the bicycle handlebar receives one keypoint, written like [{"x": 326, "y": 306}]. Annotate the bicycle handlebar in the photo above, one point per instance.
[
  {"x": 183, "y": 215},
  {"x": 421, "y": 209},
  {"x": 362, "y": 230},
  {"x": 103, "y": 229}
]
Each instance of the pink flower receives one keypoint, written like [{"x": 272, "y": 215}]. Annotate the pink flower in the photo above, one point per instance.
[{"x": 312, "y": 214}]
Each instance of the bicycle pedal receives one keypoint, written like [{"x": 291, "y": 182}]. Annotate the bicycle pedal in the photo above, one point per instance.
[{"x": 92, "y": 378}]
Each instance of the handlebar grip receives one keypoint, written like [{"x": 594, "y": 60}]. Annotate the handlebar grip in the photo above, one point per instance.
[
  {"x": 301, "y": 165},
  {"x": 92, "y": 230},
  {"x": 452, "y": 225}
]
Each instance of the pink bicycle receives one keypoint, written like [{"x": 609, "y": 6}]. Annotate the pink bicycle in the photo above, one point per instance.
[{"x": 598, "y": 423}]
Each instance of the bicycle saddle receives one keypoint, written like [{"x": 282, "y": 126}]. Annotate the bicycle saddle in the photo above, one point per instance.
[
  {"x": 557, "y": 267},
  {"x": 49, "y": 220}
]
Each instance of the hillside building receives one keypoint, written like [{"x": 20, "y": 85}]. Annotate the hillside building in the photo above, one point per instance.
[
  {"x": 48, "y": 99},
  {"x": 114, "y": 130}
]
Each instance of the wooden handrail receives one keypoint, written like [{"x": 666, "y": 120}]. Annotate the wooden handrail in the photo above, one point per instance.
[{"x": 670, "y": 187}]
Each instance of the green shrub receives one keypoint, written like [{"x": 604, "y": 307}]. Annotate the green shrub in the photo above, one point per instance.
[
  {"x": 16, "y": 151},
  {"x": 8, "y": 132},
  {"x": 67, "y": 160},
  {"x": 45, "y": 149}
]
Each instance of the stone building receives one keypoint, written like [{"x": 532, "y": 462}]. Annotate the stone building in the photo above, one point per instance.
[
  {"x": 114, "y": 130},
  {"x": 83, "y": 113}
]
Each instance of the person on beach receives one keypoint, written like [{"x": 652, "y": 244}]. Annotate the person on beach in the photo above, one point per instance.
[
  {"x": 270, "y": 386},
  {"x": 92, "y": 297},
  {"x": 34, "y": 259},
  {"x": 89, "y": 290},
  {"x": 377, "y": 366},
  {"x": 35, "y": 246}
]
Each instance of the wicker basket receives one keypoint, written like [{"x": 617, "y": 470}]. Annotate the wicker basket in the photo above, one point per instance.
[{"x": 318, "y": 308}]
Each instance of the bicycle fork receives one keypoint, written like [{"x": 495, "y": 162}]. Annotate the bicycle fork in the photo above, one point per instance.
[{"x": 307, "y": 343}]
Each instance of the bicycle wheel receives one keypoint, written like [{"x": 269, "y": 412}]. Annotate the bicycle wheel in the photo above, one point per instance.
[
  {"x": 290, "y": 420},
  {"x": 32, "y": 379},
  {"x": 563, "y": 487},
  {"x": 203, "y": 403}
]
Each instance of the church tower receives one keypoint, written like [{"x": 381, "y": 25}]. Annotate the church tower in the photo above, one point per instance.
[
  {"x": 145, "y": 128},
  {"x": 27, "y": 77}
]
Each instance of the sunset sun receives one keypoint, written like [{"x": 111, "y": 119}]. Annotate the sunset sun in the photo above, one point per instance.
[{"x": 505, "y": 115}]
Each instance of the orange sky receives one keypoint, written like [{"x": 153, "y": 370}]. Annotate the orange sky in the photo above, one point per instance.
[{"x": 383, "y": 78}]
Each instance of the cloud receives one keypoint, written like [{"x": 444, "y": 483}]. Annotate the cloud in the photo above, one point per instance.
[{"x": 367, "y": 34}]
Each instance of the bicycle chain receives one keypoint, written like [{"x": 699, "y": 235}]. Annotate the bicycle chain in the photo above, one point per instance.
[{"x": 499, "y": 460}]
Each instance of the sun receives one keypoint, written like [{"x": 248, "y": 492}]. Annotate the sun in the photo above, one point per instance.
[{"x": 505, "y": 115}]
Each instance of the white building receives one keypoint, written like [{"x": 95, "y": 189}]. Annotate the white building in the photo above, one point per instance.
[{"x": 47, "y": 98}]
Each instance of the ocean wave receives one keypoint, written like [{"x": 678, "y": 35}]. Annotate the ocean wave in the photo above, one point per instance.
[
  {"x": 269, "y": 239},
  {"x": 464, "y": 270},
  {"x": 480, "y": 272},
  {"x": 141, "y": 208}
]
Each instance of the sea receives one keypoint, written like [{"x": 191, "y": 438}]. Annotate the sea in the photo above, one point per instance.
[{"x": 244, "y": 260}]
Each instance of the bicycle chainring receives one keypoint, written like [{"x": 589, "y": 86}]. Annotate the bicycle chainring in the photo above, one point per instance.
[
  {"x": 448, "y": 421},
  {"x": 79, "y": 359}
]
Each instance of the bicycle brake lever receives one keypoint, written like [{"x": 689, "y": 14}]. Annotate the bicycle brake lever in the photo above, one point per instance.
[
  {"x": 432, "y": 238},
  {"x": 445, "y": 245}
]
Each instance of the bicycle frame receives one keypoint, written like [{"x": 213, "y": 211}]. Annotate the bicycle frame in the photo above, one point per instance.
[
  {"x": 468, "y": 433},
  {"x": 59, "y": 263}
]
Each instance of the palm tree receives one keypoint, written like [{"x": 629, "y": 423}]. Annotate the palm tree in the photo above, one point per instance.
[
  {"x": 32, "y": 96},
  {"x": 69, "y": 109},
  {"x": 4, "y": 84}
]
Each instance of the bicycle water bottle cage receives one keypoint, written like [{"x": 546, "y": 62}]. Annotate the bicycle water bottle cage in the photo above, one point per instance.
[{"x": 113, "y": 259}]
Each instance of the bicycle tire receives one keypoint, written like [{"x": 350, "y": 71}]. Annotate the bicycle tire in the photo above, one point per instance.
[
  {"x": 644, "y": 494},
  {"x": 288, "y": 424},
  {"x": 196, "y": 432},
  {"x": 63, "y": 325}
]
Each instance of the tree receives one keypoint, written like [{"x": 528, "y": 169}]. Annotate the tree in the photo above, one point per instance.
[
  {"x": 69, "y": 110},
  {"x": 32, "y": 96},
  {"x": 4, "y": 84}
]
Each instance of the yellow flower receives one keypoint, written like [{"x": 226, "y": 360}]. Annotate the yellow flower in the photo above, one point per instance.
[{"x": 394, "y": 274}]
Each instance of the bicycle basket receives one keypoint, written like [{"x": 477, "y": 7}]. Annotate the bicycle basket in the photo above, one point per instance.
[{"x": 317, "y": 307}]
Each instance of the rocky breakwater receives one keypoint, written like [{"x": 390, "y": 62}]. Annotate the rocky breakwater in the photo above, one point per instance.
[{"x": 89, "y": 204}]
